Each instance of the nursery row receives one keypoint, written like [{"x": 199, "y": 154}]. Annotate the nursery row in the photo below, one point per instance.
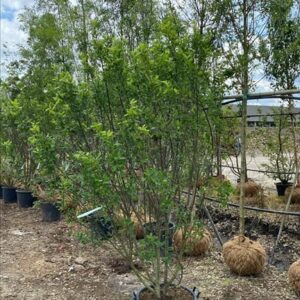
[
  {"x": 114, "y": 108},
  {"x": 25, "y": 199}
]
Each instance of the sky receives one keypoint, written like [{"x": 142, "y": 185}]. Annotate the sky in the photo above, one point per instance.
[{"x": 11, "y": 36}]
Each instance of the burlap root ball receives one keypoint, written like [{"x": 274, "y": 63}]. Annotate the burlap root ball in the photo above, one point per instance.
[
  {"x": 196, "y": 243},
  {"x": 139, "y": 230},
  {"x": 295, "y": 196},
  {"x": 258, "y": 201},
  {"x": 244, "y": 256},
  {"x": 294, "y": 276},
  {"x": 252, "y": 189},
  {"x": 138, "y": 227},
  {"x": 295, "y": 207},
  {"x": 213, "y": 180}
]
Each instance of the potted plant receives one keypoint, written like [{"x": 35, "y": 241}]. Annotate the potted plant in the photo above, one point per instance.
[
  {"x": 26, "y": 177},
  {"x": 8, "y": 172},
  {"x": 48, "y": 202},
  {"x": 47, "y": 180},
  {"x": 9, "y": 181},
  {"x": 100, "y": 226},
  {"x": 50, "y": 211},
  {"x": 48, "y": 156},
  {"x": 117, "y": 189},
  {"x": 149, "y": 152},
  {"x": 19, "y": 165},
  {"x": 17, "y": 155}
]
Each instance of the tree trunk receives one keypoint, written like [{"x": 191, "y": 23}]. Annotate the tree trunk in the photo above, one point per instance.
[{"x": 245, "y": 83}]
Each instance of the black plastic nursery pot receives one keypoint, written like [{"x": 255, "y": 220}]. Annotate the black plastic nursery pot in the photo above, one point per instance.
[
  {"x": 100, "y": 227},
  {"x": 194, "y": 292},
  {"x": 50, "y": 212},
  {"x": 151, "y": 228},
  {"x": 9, "y": 194},
  {"x": 281, "y": 187},
  {"x": 24, "y": 198},
  {"x": 1, "y": 193}
]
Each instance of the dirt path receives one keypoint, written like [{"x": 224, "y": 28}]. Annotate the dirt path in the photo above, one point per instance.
[{"x": 44, "y": 261}]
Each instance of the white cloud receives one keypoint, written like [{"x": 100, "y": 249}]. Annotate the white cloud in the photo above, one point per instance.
[
  {"x": 11, "y": 35},
  {"x": 15, "y": 4},
  {"x": 263, "y": 85}
]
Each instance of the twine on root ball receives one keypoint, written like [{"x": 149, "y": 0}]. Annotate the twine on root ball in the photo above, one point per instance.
[
  {"x": 244, "y": 256},
  {"x": 294, "y": 276},
  {"x": 196, "y": 241}
]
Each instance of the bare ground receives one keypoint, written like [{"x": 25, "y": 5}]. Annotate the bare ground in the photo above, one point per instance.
[{"x": 44, "y": 261}]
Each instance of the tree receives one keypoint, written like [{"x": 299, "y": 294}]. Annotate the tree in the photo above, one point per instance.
[
  {"x": 281, "y": 52},
  {"x": 245, "y": 20},
  {"x": 245, "y": 26},
  {"x": 281, "y": 49},
  {"x": 151, "y": 144}
]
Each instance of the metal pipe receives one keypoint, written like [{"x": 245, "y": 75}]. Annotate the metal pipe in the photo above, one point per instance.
[
  {"x": 262, "y": 95},
  {"x": 261, "y": 115},
  {"x": 213, "y": 225},
  {"x": 270, "y": 211}
]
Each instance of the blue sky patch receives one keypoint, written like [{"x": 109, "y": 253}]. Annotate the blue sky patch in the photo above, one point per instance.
[{"x": 7, "y": 13}]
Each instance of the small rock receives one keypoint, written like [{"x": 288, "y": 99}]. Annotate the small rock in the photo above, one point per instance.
[
  {"x": 79, "y": 268},
  {"x": 80, "y": 260}
]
